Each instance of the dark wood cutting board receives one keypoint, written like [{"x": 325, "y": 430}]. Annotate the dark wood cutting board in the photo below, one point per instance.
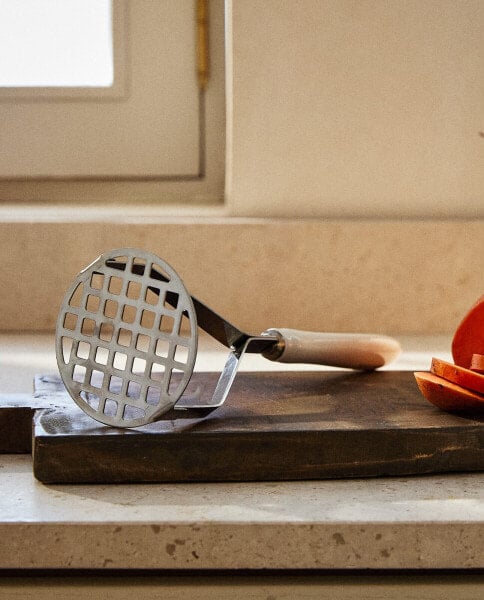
[{"x": 274, "y": 426}]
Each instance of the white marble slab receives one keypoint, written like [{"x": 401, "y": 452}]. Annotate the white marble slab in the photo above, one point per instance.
[
  {"x": 388, "y": 523},
  {"x": 419, "y": 522}
]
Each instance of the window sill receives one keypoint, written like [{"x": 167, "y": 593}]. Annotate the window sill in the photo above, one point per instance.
[{"x": 120, "y": 213}]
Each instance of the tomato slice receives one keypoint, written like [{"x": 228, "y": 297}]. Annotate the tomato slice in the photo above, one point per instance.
[
  {"x": 470, "y": 380},
  {"x": 477, "y": 363},
  {"x": 447, "y": 395}
]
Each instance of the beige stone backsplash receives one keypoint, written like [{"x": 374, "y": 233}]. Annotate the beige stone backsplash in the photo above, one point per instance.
[{"x": 399, "y": 277}]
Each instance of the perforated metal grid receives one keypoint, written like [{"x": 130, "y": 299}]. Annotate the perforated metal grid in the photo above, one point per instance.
[{"x": 126, "y": 338}]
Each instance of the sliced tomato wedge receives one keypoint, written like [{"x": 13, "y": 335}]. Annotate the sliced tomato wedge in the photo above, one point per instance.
[
  {"x": 470, "y": 380},
  {"x": 477, "y": 363},
  {"x": 447, "y": 395}
]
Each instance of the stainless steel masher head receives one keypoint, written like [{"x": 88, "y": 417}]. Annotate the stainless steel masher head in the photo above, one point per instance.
[
  {"x": 127, "y": 334},
  {"x": 126, "y": 338}
]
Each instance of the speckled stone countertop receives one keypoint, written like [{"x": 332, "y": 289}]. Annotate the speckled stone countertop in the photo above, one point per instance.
[{"x": 388, "y": 523}]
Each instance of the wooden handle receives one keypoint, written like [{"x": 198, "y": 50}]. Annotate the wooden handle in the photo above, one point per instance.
[{"x": 348, "y": 350}]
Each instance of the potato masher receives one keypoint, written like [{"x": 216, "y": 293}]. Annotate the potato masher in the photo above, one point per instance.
[{"x": 127, "y": 336}]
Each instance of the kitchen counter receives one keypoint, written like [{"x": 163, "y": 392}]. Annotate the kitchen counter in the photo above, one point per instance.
[
  {"x": 395, "y": 523},
  {"x": 426, "y": 522}
]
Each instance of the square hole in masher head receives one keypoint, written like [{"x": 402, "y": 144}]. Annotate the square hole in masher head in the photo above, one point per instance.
[
  {"x": 91, "y": 399},
  {"x": 92, "y": 303},
  {"x": 124, "y": 337},
  {"x": 119, "y": 361},
  {"x": 115, "y": 384},
  {"x": 186, "y": 326},
  {"x": 143, "y": 342},
  {"x": 101, "y": 356},
  {"x": 79, "y": 373},
  {"x": 153, "y": 395},
  {"x": 171, "y": 300},
  {"x": 76, "y": 296},
  {"x": 181, "y": 354},
  {"x": 158, "y": 372},
  {"x": 134, "y": 390},
  {"x": 134, "y": 290},
  {"x": 166, "y": 324},
  {"x": 158, "y": 273},
  {"x": 138, "y": 266},
  {"x": 70, "y": 321},
  {"x": 67, "y": 344},
  {"x": 117, "y": 262},
  {"x": 129, "y": 313},
  {"x": 97, "y": 281},
  {"x": 162, "y": 347},
  {"x": 97, "y": 378},
  {"x": 152, "y": 295},
  {"x": 139, "y": 365},
  {"x": 106, "y": 331},
  {"x": 133, "y": 412},
  {"x": 147, "y": 319},
  {"x": 88, "y": 326},
  {"x": 83, "y": 349},
  {"x": 110, "y": 309},
  {"x": 115, "y": 285},
  {"x": 110, "y": 407}
]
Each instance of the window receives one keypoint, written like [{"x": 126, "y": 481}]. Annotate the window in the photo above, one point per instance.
[
  {"x": 137, "y": 123},
  {"x": 47, "y": 44}
]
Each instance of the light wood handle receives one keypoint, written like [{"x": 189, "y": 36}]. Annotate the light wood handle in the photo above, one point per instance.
[{"x": 361, "y": 351}]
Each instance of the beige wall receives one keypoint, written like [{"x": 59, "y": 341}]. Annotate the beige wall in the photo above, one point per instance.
[
  {"x": 336, "y": 108},
  {"x": 357, "y": 108}
]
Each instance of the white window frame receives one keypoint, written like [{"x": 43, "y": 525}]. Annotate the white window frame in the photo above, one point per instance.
[{"x": 50, "y": 194}]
